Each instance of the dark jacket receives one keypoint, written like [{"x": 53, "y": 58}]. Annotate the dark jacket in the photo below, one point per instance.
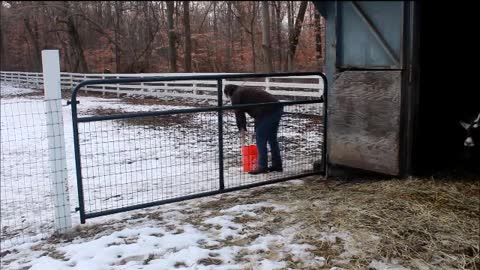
[{"x": 250, "y": 95}]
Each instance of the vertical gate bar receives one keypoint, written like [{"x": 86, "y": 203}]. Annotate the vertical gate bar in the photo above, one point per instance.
[
  {"x": 76, "y": 144},
  {"x": 220, "y": 132},
  {"x": 325, "y": 113}
]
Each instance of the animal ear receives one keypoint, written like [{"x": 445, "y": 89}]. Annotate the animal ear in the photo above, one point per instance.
[
  {"x": 477, "y": 119},
  {"x": 464, "y": 125}
]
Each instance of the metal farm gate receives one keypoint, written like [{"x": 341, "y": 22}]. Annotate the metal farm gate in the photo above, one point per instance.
[{"x": 126, "y": 161}]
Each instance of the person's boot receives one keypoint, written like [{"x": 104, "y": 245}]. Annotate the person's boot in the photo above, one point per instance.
[{"x": 258, "y": 170}]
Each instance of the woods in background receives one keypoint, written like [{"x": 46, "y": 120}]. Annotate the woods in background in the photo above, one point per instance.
[{"x": 163, "y": 36}]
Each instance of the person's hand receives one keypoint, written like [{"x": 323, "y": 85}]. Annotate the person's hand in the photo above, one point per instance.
[{"x": 243, "y": 135}]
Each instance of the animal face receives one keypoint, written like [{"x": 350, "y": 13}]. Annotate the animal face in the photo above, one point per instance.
[{"x": 472, "y": 131}]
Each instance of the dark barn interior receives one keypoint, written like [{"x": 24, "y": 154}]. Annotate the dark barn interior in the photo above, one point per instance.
[
  {"x": 397, "y": 96},
  {"x": 444, "y": 97}
]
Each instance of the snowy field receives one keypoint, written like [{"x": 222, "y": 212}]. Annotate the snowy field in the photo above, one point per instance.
[
  {"x": 209, "y": 233},
  {"x": 124, "y": 162},
  {"x": 298, "y": 224}
]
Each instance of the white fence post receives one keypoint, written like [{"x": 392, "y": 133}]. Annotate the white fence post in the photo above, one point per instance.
[
  {"x": 142, "y": 95},
  {"x": 62, "y": 81},
  {"x": 56, "y": 141},
  {"x": 103, "y": 86},
  {"x": 86, "y": 87},
  {"x": 118, "y": 88},
  {"x": 38, "y": 78}
]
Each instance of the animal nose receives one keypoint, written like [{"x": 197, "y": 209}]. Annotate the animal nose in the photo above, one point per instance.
[{"x": 469, "y": 142}]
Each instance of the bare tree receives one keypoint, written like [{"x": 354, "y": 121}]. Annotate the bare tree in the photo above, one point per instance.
[
  {"x": 172, "y": 51},
  {"x": 3, "y": 39},
  {"x": 229, "y": 45},
  {"x": 266, "y": 42},
  {"x": 32, "y": 31},
  {"x": 127, "y": 35},
  {"x": 215, "y": 38},
  {"x": 118, "y": 15},
  {"x": 252, "y": 11},
  {"x": 279, "y": 18},
  {"x": 318, "y": 40},
  {"x": 188, "y": 36},
  {"x": 290, "y": 12},
  {"x": 76, "y": 44},
  {"x": 296, "y": 32}
]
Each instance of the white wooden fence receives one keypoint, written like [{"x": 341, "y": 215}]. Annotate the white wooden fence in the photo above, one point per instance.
[{"x": 298, "y": 86}]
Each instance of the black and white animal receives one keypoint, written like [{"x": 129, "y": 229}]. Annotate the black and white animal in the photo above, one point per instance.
[
  {"x": 472, "y": 132},
  {"x": 470, "y": 155}
]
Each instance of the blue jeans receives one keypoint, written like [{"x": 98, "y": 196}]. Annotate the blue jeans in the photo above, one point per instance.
[{"x": 266, "y": 131}]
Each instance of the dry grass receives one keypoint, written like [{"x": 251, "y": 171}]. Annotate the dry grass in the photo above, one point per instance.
[
  {"x": 419, "y": 223},
  {"x": 434, "y": 223},
  {"x": 210, "y": 261}
]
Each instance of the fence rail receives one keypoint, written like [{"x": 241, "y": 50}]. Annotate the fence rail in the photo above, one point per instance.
[{"x": 289, "y": 87}]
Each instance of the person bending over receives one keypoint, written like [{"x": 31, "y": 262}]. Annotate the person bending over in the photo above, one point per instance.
[{"x": 267, "y": 120}]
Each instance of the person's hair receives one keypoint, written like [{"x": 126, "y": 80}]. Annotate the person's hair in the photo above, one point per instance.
[{"x": 229, "y": 89}]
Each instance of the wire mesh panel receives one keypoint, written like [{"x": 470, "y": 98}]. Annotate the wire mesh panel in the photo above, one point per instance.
[
  {"x": 134, "y": 161},
  {"x": 141, "y": 160},
  {"x": 27, "y": 211},
  {"x": 129, "y": 161},
  {"x": 300, "y": 136}
]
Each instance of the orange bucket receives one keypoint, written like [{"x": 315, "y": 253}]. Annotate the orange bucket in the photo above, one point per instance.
[{"x": 249, "y": 157}]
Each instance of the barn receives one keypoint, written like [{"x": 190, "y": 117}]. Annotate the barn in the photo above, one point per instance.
[{"x": 393, "y": 108}]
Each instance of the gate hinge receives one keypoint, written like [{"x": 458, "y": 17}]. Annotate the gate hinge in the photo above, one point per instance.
[
  {"x": 70, "y": 102},
  {"x": 77, "y": 209}
]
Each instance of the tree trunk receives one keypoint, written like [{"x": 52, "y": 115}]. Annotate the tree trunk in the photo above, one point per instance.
[
  {"x": 288, "y": 64},
  {"x": 76, "y": 43},
  {"x": 279, "y": 33},
  {"x": 118, "y": 11},
  {"x": 188, "y": 36},
  {"x": 296, "y": 31},
  {"x": 252, "y": 37},
  {"x": 242, "y": 57},
  {"x": 3, "y": 47},
  {"x": 266, "y": 42},
  {"x": 215, "y": 35},
  {"x": 318, "y": 40},
  {"x": 252, "y": 42},
  {"x": 229, "y": 46},
  {"x": 35, "y": 44},
  {"x": 172, "y": 54}
]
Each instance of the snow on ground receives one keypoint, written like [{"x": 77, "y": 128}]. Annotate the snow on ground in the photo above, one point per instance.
[
  {"x": 7, "y": 90},
  {"x": 209, "y": 233},
  {"x": 123, "y": 164},
  {"x": 250, "y": 229},
  {"x": 239, "y": 230}
]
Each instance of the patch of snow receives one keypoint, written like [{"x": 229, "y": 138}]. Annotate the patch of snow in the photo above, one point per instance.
[
  {"x": 378, "y": 265},
  {"x": 8, "y": 90}
]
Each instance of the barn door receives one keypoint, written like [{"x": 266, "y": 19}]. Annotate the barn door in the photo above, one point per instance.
[{"x": 365, "y": 101}]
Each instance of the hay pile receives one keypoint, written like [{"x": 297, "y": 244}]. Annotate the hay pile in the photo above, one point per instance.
[{"x": 419, "y": 223}]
